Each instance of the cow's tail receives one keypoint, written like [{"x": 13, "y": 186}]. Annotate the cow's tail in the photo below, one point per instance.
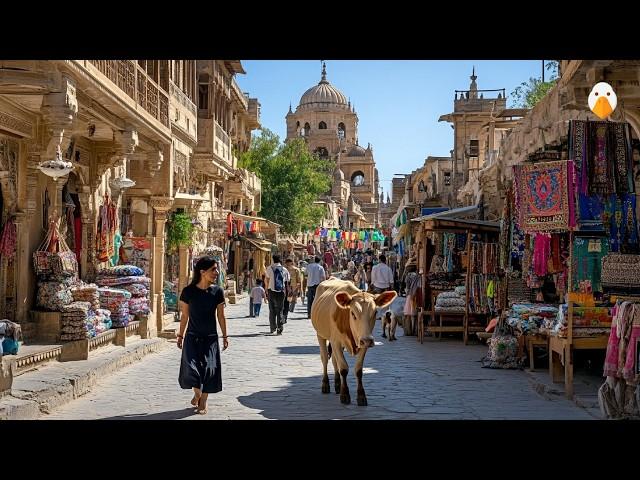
[{"x": 329, "y": 349}]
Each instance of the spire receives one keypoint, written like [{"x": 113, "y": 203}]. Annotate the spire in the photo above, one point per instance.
[
  {"x": 324, "y": 73},
  {"x": 474, "y": 86},
  {"x": 290, "y": 108}
]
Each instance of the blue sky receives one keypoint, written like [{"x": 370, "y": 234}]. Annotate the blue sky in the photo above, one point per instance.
[{"x": 398, "y": 102}]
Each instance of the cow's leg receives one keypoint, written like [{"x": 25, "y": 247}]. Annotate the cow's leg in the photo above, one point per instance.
[
  {"x": 344, "y": 370},
  {"x": 362, "y": 397},
  {"x": 336, "y": 376},
  {"x": 384, "y": 326},
  {"x": 324, "y": 356}
]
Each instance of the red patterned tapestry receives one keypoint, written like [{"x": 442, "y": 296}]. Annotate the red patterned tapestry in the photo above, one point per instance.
[{"x": 542, "y": 196}]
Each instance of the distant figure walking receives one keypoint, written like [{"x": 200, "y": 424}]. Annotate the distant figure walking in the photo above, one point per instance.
[
  {"x": 277, "y": 278},
  {"x": 315, "y": 275}
]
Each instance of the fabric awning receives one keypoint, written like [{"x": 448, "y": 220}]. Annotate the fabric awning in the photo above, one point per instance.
[{"x": 244, "y": 217}]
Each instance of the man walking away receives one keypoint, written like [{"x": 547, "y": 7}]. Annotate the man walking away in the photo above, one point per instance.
[
  {"x": 315, "y": 275},
  {"x": 276, "y": 278},
  {"x": 381, "y": 278},
  {"x": 296, "y": 283}
]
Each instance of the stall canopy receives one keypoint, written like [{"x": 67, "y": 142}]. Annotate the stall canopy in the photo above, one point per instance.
[
  {"x": 456, "y": 213},
  {"x": 458, "y": 224},
  {"x": 263, "y": 245}
]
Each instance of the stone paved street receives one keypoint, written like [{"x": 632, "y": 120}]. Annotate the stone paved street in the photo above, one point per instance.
[{"x": 278, "y": 377}]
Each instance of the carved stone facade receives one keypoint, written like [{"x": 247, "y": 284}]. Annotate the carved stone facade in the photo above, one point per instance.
[{"x": 329, "y": 124}]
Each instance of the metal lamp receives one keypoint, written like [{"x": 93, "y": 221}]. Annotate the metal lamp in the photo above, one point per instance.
[{"x": 56, "y": 168}]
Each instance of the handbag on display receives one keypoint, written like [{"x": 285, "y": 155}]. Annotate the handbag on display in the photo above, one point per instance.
[{"x": 53, "y": 256}]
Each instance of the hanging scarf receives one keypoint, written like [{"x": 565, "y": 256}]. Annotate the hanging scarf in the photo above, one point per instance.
[
  {"x": 8, "y": 239},
  {"x": 601, "y": 179},
  {"x": 541, "y": 252},
  {"x": 620, "y": 138}
]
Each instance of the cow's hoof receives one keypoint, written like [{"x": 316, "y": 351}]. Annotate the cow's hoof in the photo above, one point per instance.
[
  {"x": 362, "y": 401},
  {"x": 325, "y": 388},
  {"x": 384, "y": 336},
  {"x": 346, "y": 399}
]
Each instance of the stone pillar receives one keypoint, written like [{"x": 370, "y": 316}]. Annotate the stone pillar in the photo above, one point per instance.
[
  {"x": 183, "y": 272},
  {"x": 161, "y": 207},
  {"x": 23, "y": 258}
]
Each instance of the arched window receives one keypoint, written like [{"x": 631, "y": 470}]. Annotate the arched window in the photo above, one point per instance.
[
  {"x": 307, "y": 129},
  {"x": 322, "y": 152},
  {"x": 357, "y": 179},
  {"x": 322, "y": 126},
  {"x": 342, "y": 131}
]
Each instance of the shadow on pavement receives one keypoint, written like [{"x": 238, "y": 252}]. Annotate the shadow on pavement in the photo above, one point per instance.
[
  {"x": 301, "y": 350},
  {"x": 250, "y": 335},
  {"x": 171, "y": 415}
]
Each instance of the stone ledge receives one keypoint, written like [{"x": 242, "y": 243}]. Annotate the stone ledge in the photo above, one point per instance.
[{"x": 43, "y": 391}]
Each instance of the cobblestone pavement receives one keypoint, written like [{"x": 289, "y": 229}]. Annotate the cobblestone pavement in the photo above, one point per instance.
[{"x": 278, "y": 377}]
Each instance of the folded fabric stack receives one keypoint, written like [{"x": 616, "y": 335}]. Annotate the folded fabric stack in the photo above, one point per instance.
[
  {"x": 104, "y": 317},
  {"x": 75, "y": 322},
  {"x": 587, "y": 321},
  {"x": 450, "y": 302},
  {"x": 131, "y": 279},
  {"x": 86, "y": 292},
  {"x": 460, "y": 290},
  {"x": 53, "y": 296},
  {"x": 531, "y": 318},
  {"x": 117, "y": 302}
]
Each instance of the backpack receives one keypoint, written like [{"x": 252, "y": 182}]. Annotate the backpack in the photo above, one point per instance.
[{"x": 278, "y": 279}]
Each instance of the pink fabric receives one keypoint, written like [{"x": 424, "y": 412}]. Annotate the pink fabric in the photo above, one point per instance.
[
  {"x": 629, "y": 370},
  {"x": 541, "y": 252},
  {"x": 571, "y": 193},
  {"x": 611, "y": 358}
]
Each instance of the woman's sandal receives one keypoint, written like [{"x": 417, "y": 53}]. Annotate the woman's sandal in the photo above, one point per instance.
[{"x": 201, "y": 411}]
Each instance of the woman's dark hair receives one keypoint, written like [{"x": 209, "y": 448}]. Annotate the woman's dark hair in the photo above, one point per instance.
[{"x": 205, "y": 263}]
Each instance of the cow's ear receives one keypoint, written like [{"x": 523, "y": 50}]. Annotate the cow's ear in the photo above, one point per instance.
[
  {"x": 343, "y": 299},
  {"x": 385, "y": 298}
]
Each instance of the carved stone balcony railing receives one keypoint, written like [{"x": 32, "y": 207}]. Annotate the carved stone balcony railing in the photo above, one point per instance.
[
  {"x": 182, "y": 98},
  {"x": 134, "y": 81},
  {"x": 242, "y": 100}
]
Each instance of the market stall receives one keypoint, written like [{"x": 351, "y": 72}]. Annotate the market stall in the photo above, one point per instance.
[{"x": 462, "y": 284}]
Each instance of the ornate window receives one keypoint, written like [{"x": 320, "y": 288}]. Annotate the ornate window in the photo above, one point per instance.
[
  {"x": 357, "y": 179},
  {"x": 322, "y": 126},
  {"x": 307, "y": 129},
  {"x": 322, "y": 152},
  {"x": 342, "y": 131}
]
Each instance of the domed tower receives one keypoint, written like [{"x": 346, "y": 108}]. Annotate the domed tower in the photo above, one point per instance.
[{"x": 328, "y": 122}]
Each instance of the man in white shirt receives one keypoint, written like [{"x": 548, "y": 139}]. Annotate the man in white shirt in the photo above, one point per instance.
[
  {"x": 381, "y": 276},
  {"x": 315, "y": 275},
  {"x": 276, "y": 278}
]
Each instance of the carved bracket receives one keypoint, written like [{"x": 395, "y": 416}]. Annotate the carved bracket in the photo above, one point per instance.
[
  {"x": 161, "y": 207},
  {"x": 59, "y": 110}
]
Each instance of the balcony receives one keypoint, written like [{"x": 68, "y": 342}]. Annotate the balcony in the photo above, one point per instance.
[
  {"x": 238, "y": 96},
  {"x": 254, "y": 113},
  {"x": 129, "y": 77},
  {"x": 182, "y": 98}
]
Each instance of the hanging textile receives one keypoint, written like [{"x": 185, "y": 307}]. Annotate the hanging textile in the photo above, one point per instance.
[
  {"x": 541, "y": 252},
  {"x": 620, "y": 136},
  {"x": 620, "y": 220},
  {"x": 544, "y": 196},
  {"x": 8, "y": 239},
  {"x": 587, "y": 263},
  {"x": 117, "y": 242},
  {"x": 599, "y": 168}
]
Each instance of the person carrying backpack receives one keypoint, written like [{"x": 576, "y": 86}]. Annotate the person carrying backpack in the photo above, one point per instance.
[{"x": 277, "y": 277}]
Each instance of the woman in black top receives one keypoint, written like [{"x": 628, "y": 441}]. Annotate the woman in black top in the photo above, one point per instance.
[{"x": 200, "y": 301}]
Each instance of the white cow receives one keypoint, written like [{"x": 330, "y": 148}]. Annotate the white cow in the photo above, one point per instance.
[{"x": 394, "y": 312}]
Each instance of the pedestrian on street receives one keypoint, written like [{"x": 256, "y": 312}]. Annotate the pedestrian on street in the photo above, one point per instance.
[
  {"x": 315, "y": 275},
  {"x": 257, "y": 296},
  {"x": 277, "y": 278},
  {"x": 381, "y": 276},
  {"x": 200, "y": 303},
  {"x": 296, "y": 283}
]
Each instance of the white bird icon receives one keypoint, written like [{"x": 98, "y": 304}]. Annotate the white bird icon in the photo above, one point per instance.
[{"x": 602, "y": 100}]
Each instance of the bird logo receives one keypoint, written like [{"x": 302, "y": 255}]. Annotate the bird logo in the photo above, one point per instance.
[{"x": 602, "y": 100}]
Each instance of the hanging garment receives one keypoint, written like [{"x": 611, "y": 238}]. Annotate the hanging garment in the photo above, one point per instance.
[
  {"x": 78, "y": 239},
  {"x": 117, "y": 242},
  {"x": 600, "y": 168},
  {"x": 541, "y": 252}
]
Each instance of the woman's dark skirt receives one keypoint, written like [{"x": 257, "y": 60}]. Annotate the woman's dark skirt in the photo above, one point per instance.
[{"x": 200, "y": 365}]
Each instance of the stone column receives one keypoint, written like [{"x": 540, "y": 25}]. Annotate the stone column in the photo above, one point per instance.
[
  {"x": 23, "y": 258},
  {"x": 161, "y": 207}
]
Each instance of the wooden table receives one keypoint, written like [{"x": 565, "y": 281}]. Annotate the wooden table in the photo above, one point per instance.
[
  {"x": 535, "y": 341},
  {"x": 561, "y": 353}
]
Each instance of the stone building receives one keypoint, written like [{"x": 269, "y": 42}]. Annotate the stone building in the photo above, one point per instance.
[{"x": 329, "y": 124}]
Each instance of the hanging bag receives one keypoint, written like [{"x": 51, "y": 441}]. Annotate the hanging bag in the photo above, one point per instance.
[{"x": 41, "y": 257}]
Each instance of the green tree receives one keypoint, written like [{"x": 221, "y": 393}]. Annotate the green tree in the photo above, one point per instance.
[
  {"x": 529, "y": 93},
  {"x": 292, "y": 179}
]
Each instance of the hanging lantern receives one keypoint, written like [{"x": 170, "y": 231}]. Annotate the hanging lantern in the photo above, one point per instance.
[
  {"x": 122, "y": 183},
  {"x": 56, "y": 168}
]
